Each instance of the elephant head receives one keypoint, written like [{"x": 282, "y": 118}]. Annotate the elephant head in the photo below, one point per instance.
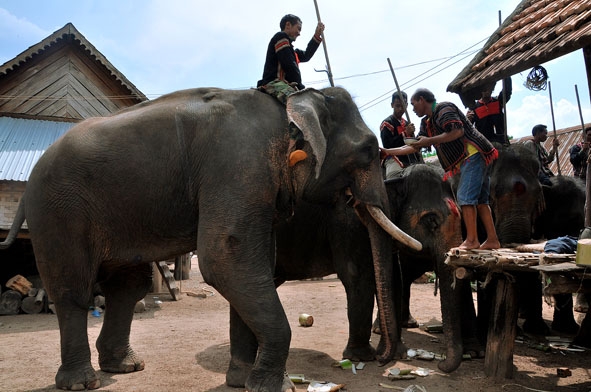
[
  {"x": 516, "y": 196},
  {"x": 424, "y": 207},
  {"x": 560, "y": 218}
]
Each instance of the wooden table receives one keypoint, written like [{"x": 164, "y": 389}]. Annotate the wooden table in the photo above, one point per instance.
[{"x": 560, "y": 275}]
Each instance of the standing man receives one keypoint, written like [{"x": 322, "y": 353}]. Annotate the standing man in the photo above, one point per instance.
[
  {"x": 462, "y": 150},
  {"x": 393, "y": 130},
  {"x": 540, "y": 134},
  {"x": 281, "y": 75},
  {"x": 488, "y": 116},
  {"x": 579, "y": 153}
]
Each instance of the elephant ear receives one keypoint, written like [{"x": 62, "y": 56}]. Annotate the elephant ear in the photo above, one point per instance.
[{"x": 303, "y": 110}]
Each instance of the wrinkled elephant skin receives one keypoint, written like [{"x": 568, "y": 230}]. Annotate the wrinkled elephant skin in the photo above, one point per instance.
[{"x": 203, "y": 169}]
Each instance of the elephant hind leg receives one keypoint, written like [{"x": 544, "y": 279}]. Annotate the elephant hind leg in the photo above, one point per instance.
[
  {"x": 122, "y": 289},
  {"x": 71, "y": 306}
]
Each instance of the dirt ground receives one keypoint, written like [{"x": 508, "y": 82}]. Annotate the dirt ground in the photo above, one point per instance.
[{"x": 185, "y": 346}]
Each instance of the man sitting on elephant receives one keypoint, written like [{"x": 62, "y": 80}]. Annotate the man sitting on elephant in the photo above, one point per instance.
[
  {"x": 281, "y": 75},
  {"x": 540, "y": 134},
  {"x": 460, "y": 149}
]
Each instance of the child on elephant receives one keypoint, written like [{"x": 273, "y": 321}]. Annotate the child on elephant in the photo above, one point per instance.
[
  {"x": 281, "y": 74},
  {"x": 461, "y": 150}
]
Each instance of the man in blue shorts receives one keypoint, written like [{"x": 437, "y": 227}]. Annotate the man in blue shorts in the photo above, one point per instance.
[{"x": 462, "y": 150}]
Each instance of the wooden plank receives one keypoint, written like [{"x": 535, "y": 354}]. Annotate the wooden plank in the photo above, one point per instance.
[
  {"x": 566, "y": 266},
  {"x": 168, "y": 279}
]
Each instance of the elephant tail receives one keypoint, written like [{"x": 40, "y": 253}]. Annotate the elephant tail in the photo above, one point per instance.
[{"x": 16, "y": 225}]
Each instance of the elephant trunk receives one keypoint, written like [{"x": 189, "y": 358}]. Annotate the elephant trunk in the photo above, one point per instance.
[
  {"x": 449, "y": 312},
  {"x": 388, "y": 295},
  {"x": 388, "y": 292}
]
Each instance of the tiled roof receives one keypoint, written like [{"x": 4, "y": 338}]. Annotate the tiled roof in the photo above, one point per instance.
[
  {"x": 567, "y": 137},
  {"x": 23, "y": 141},
  {"x": 70, "y": 32},
  {"x": 536, "y": 32}
]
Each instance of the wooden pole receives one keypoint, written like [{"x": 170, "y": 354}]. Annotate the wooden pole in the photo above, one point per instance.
[
  {"x": 398, "y": 89},
  {"x": 554, "y": 128},
  {"x": 328, "y": 69},
  {"x": 506, "y": 139},
  {"x": 580, "y": 111}
]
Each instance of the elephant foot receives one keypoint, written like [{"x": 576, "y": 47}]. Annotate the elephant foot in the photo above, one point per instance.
[
  {"x": 473, "y": 348},
  {"x": 398, "y": 351},
  {"x": 260, "y": 381},
  {"x": 536, "y": 327},
  {"x": 356, "y": 354},
  {"x": 375, "y": 328},
  {"x": 78, "y": 379},
  {"x": 237, "y": 373},
  {"x": 581, "y": 304},
  {"x": 583, "y": 340},
  {"x": 126, "y": 363},
  {"x": 564, "y": 322},
  {"x": 410, "y": 322}
]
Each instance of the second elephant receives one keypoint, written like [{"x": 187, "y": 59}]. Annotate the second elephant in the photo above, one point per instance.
[{"x": 321, "y": 240}]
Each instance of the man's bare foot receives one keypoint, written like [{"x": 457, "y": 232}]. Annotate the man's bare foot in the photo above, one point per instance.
[
  {"x": 469, "y": 245},
  {"x": 490, "y": 245}
]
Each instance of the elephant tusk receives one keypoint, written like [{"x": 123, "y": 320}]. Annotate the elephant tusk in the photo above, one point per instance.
[{"x": 378, "y": 215}]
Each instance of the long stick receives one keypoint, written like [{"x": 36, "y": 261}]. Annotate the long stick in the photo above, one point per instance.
[
  {"x": 398, "y": 88},
  {"x": 588, "y": 167},
  {"x": 506, "y": 139},
  {"x": 580, "y": 111},
  {"x": 554, "y": 128},
  {"x": 324, "y": 46}
]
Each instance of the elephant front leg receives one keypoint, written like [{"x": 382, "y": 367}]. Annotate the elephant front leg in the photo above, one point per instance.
[
  {"x": 451, "y": 305},
  {"x": 360, "y": 304},
  {"x": 122, "y": 290},
  {"x": 243, "y": 351}
]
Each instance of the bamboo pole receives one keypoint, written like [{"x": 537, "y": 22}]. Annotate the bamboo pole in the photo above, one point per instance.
[
  {"x": 554, "y": 128},
  {"x": 328, "y": 69},
  {"x": 399, "y": 91}
]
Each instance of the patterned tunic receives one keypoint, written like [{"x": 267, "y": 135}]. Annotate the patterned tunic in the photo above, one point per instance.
[
  {"x": 392, "y": 133},
  {"x": 447, "y": 117},
  {"x": 282, "y": 59},
  {"x": 489, "y": 118}
]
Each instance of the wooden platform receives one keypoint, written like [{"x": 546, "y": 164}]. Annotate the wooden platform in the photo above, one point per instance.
[{"x": 560, "y": 275}]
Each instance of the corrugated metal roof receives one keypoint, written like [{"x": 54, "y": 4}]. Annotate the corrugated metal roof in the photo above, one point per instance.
[
  {"x": 536, "y": 32},
  {"x": 567, "y": 137},
  {"x": 22, "y": 142}
]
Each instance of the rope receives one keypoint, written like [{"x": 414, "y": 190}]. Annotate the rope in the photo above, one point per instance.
[{"x": 536, "y": 79}]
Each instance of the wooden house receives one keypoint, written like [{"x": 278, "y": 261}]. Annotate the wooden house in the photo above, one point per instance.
[{"x": 44, "y": 91}]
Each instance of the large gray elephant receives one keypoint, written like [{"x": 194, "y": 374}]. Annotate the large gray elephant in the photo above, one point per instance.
[
  {"x": 204, "y": 169},
  {"x": 321, "y": 240}
]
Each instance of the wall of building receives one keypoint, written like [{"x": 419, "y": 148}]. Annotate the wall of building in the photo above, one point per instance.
[{"x": 10, "y": 195}]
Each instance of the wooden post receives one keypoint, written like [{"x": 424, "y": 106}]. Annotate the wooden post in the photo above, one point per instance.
[
  {"x": 502, "y": 330},
  {"x": 556, "y": 154},
  {"x": 34, "y": 305},
  {"x": 10, "y": 302}
]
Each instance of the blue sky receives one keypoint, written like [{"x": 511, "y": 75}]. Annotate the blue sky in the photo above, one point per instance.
[{"x": 167, "y": 45}]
